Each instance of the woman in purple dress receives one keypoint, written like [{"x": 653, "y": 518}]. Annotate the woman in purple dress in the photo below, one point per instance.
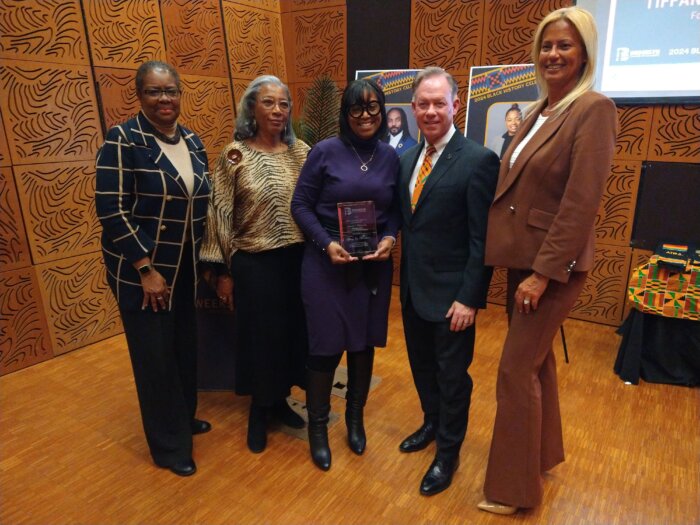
[{"x": 346, "y": 297}]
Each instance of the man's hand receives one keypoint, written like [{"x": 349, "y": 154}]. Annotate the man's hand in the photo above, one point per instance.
[{"x": 462, "y": 316}]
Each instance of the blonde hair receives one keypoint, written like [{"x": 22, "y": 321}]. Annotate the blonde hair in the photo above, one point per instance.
[{"x": 583, "y": 22}]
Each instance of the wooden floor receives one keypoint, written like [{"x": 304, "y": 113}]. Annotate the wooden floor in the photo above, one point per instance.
[{"x": 73, "y": 451}]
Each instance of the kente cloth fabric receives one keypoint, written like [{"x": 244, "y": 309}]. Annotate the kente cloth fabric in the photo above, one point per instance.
[{"x": 655, "y": 289}]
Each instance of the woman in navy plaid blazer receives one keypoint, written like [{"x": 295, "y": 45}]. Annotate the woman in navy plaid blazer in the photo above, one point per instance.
[{"x": 151, "y": 198}]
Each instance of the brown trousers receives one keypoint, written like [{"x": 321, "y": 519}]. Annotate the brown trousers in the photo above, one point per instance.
[{"x": 527, "y": 434}]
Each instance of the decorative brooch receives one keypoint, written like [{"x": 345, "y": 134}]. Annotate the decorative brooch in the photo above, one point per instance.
[{"x": 234, "y": 156}]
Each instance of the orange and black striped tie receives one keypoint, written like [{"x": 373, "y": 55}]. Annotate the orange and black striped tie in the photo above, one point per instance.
[{"x": 423, "y": 173}]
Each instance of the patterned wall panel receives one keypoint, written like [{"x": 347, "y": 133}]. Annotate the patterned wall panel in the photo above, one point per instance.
[
  {"x": 14, "y": 249},
  {"x": 80, "y": 307},
  {"x": 43, "y": 30},
  {"x": 602, "y": 297},
  {"x": 49, "y": 112},
  {"x": 675, "y": 134},
  {"x": 461, "y": 116},
  {"x": 249, "y": 40},
  {"x": 510, "y": 27},
  {"x": 5, "y": 159},
  {"x": 447, "y": 34},
  {"x": 124, "y": 33},
  {"x": 267, "y": 5},
  {"x": 194, "y": 33},
  {"x": 298, "y": 5},
  {"x": 207, "y": 108},
  {"x": 117, "y": 94},
  {"x": 239, "y": 87},
  {"x": 633, "y": 136},
  {"x": 320, "y": 39},
  {"x": 278, "y": 44},
  {"x": 614, "y": 221},
  {"x": 58, "y": 209},
  {"x": 499, "y": 286},
  {"x": 24, "y": 334}
]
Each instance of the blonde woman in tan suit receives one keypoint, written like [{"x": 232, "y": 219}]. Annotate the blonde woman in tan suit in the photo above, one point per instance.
[{"x": 541, "y": 228}]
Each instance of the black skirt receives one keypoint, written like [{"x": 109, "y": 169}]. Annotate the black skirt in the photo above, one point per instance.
[{"x": 271, "y": 339}]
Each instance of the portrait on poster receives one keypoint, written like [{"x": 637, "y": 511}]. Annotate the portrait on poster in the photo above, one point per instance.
[
  {"x": 402, "y": 132},
  {"x": 497, "y": 98}
]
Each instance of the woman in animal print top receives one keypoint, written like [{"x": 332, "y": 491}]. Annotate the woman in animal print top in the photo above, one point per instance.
[{"x": 256, "y": 248}]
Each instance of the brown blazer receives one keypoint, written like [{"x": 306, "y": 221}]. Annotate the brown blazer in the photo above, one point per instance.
[{"x": 543, "y": 213}]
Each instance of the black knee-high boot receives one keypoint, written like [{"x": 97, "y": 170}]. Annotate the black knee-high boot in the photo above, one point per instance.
[
  {"x": 359, "y": 378},
  {"x": 318, "y": 406}
]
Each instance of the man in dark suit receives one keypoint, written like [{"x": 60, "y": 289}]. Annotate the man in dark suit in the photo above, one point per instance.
[
  {"x": 446, "y": 187},
  {"x": 398, "y": 135}
]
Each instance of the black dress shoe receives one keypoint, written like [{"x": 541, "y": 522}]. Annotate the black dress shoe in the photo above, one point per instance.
[
  {"x": 283, "y": 413},
  {"x": 200, "y": 426},
  {"x": 439, "y": 476},
  {"x": 420, "y": 439},
  {"x": 183, "y": 468}
]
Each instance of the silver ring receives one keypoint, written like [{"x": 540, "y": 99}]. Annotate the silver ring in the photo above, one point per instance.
[
  {"x": 526, "y": 301},
  {"x": 160, "y": 297}
]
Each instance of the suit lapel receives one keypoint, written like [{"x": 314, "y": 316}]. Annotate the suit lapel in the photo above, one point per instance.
[
  {"x": 540, "y": 138},
  {"x": 195, "y": 146},
  {"x": 447, "y": 157},
  {"x": 144, "y": 135}
]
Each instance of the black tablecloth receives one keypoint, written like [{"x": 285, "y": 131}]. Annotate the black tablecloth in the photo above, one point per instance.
[{"x": 659, "y": 350}]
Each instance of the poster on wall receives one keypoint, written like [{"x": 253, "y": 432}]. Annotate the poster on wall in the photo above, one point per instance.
[
  {"x": 403, "y": 131},
  {"x": 497, "y": 97}
]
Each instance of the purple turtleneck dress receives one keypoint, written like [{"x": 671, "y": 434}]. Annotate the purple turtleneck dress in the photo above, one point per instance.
[{"x": 342, "y": 313}]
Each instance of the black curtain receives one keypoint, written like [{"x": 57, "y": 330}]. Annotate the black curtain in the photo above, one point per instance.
[{"x": 379, "y": 33}]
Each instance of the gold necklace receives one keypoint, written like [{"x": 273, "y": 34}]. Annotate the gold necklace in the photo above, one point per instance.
[{"x": 364, "y": 166}]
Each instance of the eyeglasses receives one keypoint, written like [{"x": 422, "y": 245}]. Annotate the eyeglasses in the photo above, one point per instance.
[
  {"x": 373, "y": 109},
  {"x": 270, "y": 103},
  {"x": 157, "y": 93}
]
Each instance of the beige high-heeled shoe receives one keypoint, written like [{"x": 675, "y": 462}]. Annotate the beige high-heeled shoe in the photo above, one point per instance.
[{"x": 497, "y": 508}]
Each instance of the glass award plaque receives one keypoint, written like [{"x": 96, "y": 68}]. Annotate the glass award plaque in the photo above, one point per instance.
[{"x": 358, "y": 227}]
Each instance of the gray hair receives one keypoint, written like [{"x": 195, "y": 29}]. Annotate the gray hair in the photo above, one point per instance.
[
  {"x": 246, "y": 126},
  {"x": 152, "y": 65},
  {"x": 434, "y": 71}
]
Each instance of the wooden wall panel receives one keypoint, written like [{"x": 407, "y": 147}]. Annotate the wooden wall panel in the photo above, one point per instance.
[
  {"x": 14, "y": 249},
  {"x": 613, "y": 223},
  {"x": 49, "y": 112},
  {"x": 58, "y": 205},
  {"x": 446, "y": 33},
  {"x": 124, "y": 33},
  {"x": 80, "y": 307},
  {"x": 675, "y": 134},
  {"x": 5, "y": 159},
  {"x": 117, "y": 94},
  {"x": 249, "y": 40},
  {"x": 268, "y": 5},
  {"x": 24, "y": 334},
  {"x": 299, "y": 5},
  {"x": 45, "y": 31},
  {"x": 320, "y": 39},
  {"x": 499, "y": 286},
  {"x": 602, "y": 297},
  {"x": 207, "y": 108},
  {"x": 509, "y": 29},
  {"x": 195, "y": 37},
  {"x": 633, "y": 136},
  {"x": 461, "y": 116}
]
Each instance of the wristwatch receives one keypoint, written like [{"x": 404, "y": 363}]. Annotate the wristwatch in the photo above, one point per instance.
[{"x": 145, "y": 269}]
